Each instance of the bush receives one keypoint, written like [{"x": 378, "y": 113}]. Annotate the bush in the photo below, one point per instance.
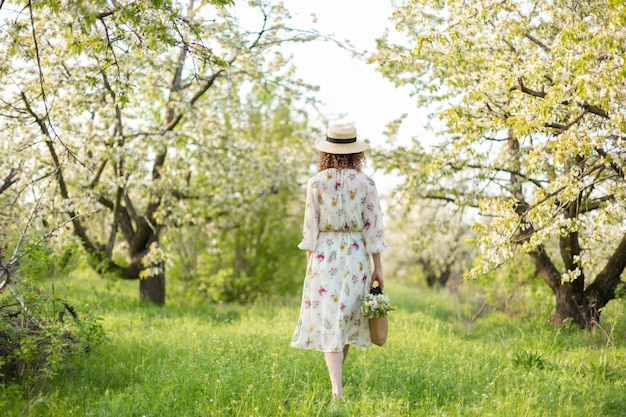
[
  {"x": 248, "y": 256},
  {"x": 517, "y": 290},
  {"x": 39, "y": 329}
]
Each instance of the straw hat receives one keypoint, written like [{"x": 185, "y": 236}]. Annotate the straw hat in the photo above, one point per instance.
[{"x": 340, "y": 139}]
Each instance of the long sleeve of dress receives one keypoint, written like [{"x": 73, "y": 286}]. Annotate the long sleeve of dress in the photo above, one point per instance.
[
  {"x": 310, "y": 230},
  {"x": 373, "y": 232}
]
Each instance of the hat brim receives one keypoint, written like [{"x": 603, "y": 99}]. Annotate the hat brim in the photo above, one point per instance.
[{"x": 321, "y": 144}]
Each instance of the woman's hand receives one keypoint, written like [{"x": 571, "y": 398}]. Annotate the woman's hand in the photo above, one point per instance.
[{"x": 377, "y": 275}]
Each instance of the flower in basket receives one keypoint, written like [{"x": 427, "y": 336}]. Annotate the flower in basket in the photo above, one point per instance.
[{"x": 375, "y": 306}]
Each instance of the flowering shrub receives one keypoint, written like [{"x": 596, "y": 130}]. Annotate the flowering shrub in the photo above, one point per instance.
[{"x": 375, "y": 306}]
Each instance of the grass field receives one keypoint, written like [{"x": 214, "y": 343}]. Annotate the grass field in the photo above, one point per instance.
[{"x": 203, "y": 360}]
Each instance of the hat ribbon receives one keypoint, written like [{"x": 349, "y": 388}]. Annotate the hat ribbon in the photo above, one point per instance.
[{"x": 332, "y": 140}]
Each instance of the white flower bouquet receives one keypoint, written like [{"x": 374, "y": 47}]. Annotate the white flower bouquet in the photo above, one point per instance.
[{"x": 375, "y": 306}]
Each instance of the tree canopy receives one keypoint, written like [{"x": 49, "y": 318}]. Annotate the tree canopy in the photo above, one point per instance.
[
  {"x": 125, "y": 117},
  {"x": 529, "y": 99}
]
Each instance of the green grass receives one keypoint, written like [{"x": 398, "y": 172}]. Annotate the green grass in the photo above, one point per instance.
[{"x": 229, "y": 360}]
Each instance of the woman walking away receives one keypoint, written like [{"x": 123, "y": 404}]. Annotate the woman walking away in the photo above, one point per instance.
[{"x": 343, "y": 227}]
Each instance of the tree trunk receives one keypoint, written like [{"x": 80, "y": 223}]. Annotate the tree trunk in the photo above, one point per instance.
[
  {"x": 431, "y": 279},
  {"x": 575, "y": 303},
  {"x": 153, "y": 289},
  {"x": 444, "y": 277},
  {"x": 569, "y": 309},
  {"x": 570, "y": 299}
]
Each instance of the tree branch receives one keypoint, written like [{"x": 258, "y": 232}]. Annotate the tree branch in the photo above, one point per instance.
[
  {"x": 119, "y": 171},
  {"x": 439, "y": 197},
  {"x": 522, "y": 87},
  {"x": 563, "y": 128},
  {"x": 38, "y": 58},
  {"x": 595, "y": 110},
  {"x": 546, "y": 268},
  {"x": 596, "y": 203},
  {"x": 537, "y": 42},
  {"x": 10, "y": 179},
  {"x": 79, "y": 230},
  {"x": 612, "y": 164},
  {"x": 569, "y": 246},
  {"x": 588, "y": 108},
  {"x": 96, "y": 178},
  {"x": 103, "y": 15},
  {"x": 603, "y": 287},
  {"x": 498, "y": 169},
  {"x": 488, "y": 110}
]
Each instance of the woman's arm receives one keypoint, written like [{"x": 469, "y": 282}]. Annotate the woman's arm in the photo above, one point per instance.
[{"x": 377, "y": 275}]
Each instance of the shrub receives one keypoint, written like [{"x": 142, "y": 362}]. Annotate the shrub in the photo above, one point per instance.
[{"x": 39, "y": 329}]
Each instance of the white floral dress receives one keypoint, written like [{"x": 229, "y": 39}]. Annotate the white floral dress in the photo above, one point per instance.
[{"x": 343, "y": 225}]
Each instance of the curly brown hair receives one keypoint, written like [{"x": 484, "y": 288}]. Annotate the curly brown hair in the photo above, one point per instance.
[{"x": 346, "y": 161}]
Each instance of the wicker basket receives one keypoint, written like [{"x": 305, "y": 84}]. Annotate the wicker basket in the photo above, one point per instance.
[{"x": 379, "y": 328}]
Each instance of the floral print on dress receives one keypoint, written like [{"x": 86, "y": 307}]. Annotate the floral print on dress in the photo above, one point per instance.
[{"x": 343, "y": 225}]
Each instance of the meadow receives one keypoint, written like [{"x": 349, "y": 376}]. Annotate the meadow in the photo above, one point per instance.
[{"x": 442, "y": 358}]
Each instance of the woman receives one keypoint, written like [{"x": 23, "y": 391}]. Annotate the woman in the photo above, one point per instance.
[{"x": 343, "y": 227}]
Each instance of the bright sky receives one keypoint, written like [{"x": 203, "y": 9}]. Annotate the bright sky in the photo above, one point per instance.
[{"x": 348, "y": 86}]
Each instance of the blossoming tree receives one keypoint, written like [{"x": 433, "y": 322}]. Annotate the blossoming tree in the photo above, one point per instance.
[
  {"x": 134, "y": 115},
  {"x": 529, "y": 98}
]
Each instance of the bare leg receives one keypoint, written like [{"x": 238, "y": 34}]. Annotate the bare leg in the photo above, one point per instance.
[{"x": 334, "y": 363}]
